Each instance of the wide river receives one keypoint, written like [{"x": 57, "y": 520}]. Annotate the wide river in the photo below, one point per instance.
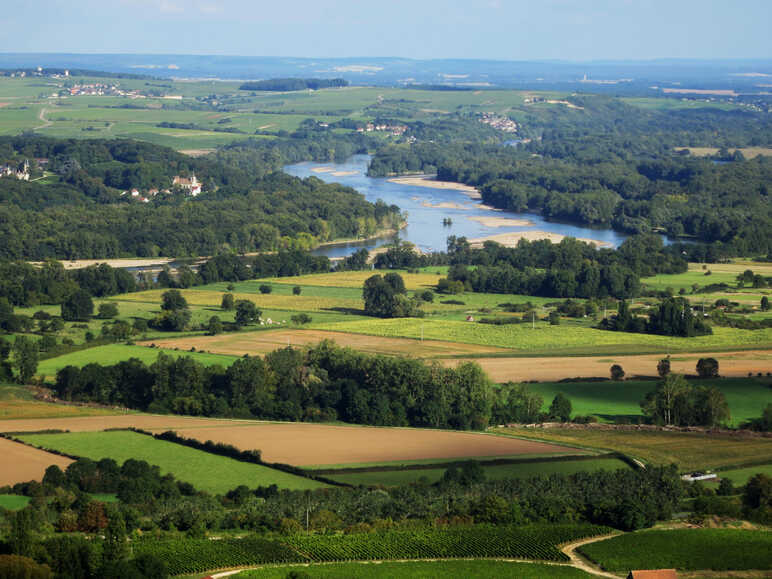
[{"x": 428, "y": 206}]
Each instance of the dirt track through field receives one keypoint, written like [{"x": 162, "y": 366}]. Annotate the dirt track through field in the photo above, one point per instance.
[
  {"x": 268, "y": 341},
  {"x": 21, "y": 463},
  {"x": 731, "y": 364}
]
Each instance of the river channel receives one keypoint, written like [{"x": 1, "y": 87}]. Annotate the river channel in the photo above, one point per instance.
[{"x": 427, "y": 207}]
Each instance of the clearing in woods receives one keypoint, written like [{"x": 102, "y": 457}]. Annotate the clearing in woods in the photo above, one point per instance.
[
  {"x": 22, "y": 463},
  {"x": 265, "y": 342}
]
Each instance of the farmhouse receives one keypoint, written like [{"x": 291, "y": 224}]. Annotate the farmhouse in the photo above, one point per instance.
[{"x": 191, "y": 184}]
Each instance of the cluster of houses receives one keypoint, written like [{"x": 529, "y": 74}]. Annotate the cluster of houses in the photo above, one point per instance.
[
  {"x": 190, "y": 185},
  {"x": 395, "y": 130},
  {"x": 503, "y": 124},
  {"x": 20, "y": 171}
]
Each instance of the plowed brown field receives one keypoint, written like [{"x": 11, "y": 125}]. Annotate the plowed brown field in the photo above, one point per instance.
[
  {"x": 264, "y": 342},
  {"x": 731, "y": 364},
  {"x": 315, "y": 444},
  {"x": 21, "y": 463},
  {"x": 312, "y": 444}
]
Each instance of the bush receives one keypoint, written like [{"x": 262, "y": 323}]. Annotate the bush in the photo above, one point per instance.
[
  {"x": 296, "y": 290},
  {"x": 617, "y": 372},
  {"x": 265, "y": 288},
  {"x": 107, "y": 310}
]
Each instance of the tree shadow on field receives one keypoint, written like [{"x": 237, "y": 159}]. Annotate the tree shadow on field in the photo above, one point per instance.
[
  {"x": 621, "y": 418},
  {"x": 349, "y": 311}
]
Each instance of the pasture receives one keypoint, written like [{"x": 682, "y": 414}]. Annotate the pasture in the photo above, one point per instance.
[
  {"x": 613, "y": 400},
  {"x": 208, "y": 472},
  {"x": 114, "y": 353},
  {"x": 23, "y": 463},
  {"x": 13, "y": 502},
  {"x": 688, "y": 450},
  {"x": 685, "y": 550}
]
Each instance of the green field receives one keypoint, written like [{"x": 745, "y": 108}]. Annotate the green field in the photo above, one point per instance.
[
  {"x": 740, "y": 476},
  {"x": 690, "y": 451},
  {"x": 553, "y": 340},
  {"x": 421, "y": 570},
  {"x": 492, "y": 472},
  {"x": 612, "y": 400},
  {"x": 114, "y": 353},
  {"x": 208, "y": 472},
  {"x": 13, "y": 502},
  {"x": 687, "y": 549}
]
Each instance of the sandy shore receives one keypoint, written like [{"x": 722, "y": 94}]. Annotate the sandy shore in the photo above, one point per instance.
[
  {"x": 443, "y": 205},
  {"x": 428, "y": 181},
  {"x": 511, "y": 239},
  {"x": 501, "y": 221},
  {"x": 322, "y": 169},
  {"x": 343, "y": 173}
]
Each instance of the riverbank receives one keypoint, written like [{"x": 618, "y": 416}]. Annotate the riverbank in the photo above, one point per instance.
[
  {"x": 502, "y": 221},
  {"x": 512, "y": 239}
]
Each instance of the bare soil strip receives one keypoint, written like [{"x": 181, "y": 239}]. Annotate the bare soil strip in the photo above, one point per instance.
[
  {"x": 302, "y": 443},
  {"x": 307, "y": 444},
  {"x": 21, "y": 463},
  {"x": 731, "y": 364},
  {"x": 582, "y": 563},
  {"x": 265, "y": 342}
]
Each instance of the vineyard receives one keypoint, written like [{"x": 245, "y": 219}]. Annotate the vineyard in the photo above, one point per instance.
[{"x": 538, "y": 542}]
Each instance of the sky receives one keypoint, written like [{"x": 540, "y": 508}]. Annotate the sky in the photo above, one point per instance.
[{"x": 493, "y": 29}]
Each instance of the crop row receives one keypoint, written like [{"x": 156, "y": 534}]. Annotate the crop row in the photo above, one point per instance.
[
  {"x": 531, "y": 542},
  {"x": 194, "y": 555}
]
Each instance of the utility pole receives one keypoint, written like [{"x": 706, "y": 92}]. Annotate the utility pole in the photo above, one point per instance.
[{"x": 533, "y": 320}]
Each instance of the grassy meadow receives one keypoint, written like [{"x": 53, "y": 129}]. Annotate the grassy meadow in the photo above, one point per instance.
[
  {"x": 13, "y": 502},
  {"x": 209, "y": 472}
]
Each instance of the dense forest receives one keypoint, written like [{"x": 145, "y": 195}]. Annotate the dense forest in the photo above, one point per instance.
[{"x": 245, "y": 207}]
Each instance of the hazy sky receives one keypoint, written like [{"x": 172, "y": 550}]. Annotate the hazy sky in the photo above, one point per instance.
[{"x": 501, "y": 29}]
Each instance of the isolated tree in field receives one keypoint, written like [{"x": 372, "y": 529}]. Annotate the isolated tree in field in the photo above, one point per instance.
[
  {"x": 107, "y": 310},
  {"x": 554, "y": 318},
  {"x": 301, "y": 318},
  {"x": 560, "y": 408},
  {"x": 758, "y": 492},
  {"x": 617, "y": 372},
  {"x": 214, "y": 327},
  {"x": 172, "y": 300},
  {"x": 707, "y": 368},
  {"x": 77, "y": 307},
  {"x": 246, "y": 313},
  {"x": 25, "y": 358},
  {"x": 663, "y": 367},
  {"x": 765, "y": 304},
  {"x": 265, "y": 288},
  {"x": 227, "y": 302},
  {"x": 660, "y": 404},
  {"x": 296, "y": 290}
]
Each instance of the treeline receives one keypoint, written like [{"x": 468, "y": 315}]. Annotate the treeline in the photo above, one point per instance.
[
  {"x": 671, "y": 317},
  {"x": 567, "y": 269},
  {"x": 291, "y": 84},
  {"x": 322, "y": 384}
]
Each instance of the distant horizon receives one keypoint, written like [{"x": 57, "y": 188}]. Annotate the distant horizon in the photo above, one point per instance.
[{"x": 507, "y": 30}]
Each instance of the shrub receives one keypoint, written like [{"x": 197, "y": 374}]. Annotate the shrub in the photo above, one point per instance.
[{"x": 617, "y": 373}]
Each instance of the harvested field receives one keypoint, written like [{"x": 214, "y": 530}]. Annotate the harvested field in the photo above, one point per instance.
[
  {"x": 355, "y": 279},
  {"x": 734, "y": 364},
  {"x": 22, "y": 463},
  {"x": 265, "y": 342},
  {"x": 308, "y": 444},
  {"x": 316, "y": 444}
]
